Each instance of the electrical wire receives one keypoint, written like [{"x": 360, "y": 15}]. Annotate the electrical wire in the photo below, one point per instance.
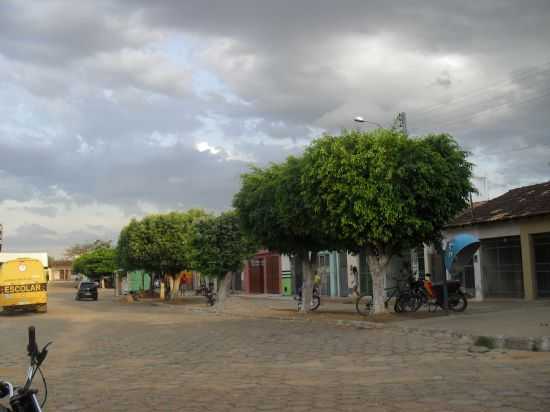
[
  {"x": 453, "y": 122},
  {"x": 519, "y": 149},
  {"x": 506, "y": 82}
]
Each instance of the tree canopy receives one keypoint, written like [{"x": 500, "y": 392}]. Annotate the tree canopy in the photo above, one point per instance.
[
  {"x": 159, "y": 243},
  {"x": 272, "y": 209},
  {"x": 96, "y": 263},
  {"x": 383, "y": 191},
  {"x": 220, "y": 246}
]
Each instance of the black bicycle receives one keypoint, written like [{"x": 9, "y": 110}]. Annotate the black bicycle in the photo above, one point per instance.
[
  {"x": 315, "y": 299},
  {"x": 24, "y": 399},
  {"x": 210, "y": 295},
  {"x": 403, "y": 299}
]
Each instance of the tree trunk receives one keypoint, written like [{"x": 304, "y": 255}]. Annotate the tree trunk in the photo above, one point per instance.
[
  {"x": 223, "y": 291},
  {"x": 152, "y": 285},
  {"x": 171, "y": 282},
  {"x": 176, "y": 285},
  {"x": 308, "y": 265},
  {"x": 378, "y": 266}
]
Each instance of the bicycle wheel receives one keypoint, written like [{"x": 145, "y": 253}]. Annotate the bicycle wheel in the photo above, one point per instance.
[
  {"x": 406, "y": 302},
  {"x": 315, "y": 302},
  {"x": 420, "y": 299},
  {"x": 398, "y": 306},
  {"x": 364, "y": 305}
]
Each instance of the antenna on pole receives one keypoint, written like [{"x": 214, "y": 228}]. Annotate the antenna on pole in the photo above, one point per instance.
[{"x": 400, "y": 123}]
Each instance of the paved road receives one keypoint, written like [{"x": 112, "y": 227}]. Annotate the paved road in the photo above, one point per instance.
[{"x": 111, "y": 356}]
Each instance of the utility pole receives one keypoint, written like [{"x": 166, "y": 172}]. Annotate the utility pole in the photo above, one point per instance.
[{"x": 1, "y": 235}]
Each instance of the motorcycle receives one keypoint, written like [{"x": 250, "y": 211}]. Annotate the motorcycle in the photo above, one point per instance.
[
  {"x": 431, "y": 294},
  {"x": 24, "y": 399},
  {"x": 211, "y": 296}
]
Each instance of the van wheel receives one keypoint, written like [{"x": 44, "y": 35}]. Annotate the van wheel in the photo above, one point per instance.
[{"x": 42, "y": 308}]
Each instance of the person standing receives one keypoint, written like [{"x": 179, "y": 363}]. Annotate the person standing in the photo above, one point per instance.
[{"x": 354, "y": 282}]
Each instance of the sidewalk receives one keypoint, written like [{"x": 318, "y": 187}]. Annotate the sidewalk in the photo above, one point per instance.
[
  {"x": 508, "y": 324},
  {"x": 513, "y": 318}
]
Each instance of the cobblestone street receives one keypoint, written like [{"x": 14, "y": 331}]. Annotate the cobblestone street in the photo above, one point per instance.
[{"x": 113, "y": 356}]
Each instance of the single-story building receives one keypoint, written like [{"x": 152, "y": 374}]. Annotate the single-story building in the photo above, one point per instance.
[
  {"x": 513, "y": 259},
  {"x": 61, "y": 270}
]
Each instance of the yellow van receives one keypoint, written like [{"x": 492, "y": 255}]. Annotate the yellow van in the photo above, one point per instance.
[{"x": 23, "y": 285}]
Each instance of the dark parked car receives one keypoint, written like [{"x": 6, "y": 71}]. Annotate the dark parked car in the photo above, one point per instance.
[{"x": 87, "y": 290}]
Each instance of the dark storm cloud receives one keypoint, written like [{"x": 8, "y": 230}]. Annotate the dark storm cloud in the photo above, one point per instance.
[
  {"x": 60, "y": 32},
  {"x": 290, "y": 45}
]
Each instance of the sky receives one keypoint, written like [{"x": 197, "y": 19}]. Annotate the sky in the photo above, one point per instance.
[{"x": 115, "y": 109}]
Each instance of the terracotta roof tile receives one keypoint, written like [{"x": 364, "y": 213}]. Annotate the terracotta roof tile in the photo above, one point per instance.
[{"x": 521, "y": 202}]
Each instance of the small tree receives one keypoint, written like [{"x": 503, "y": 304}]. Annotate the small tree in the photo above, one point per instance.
[
  {"x": 219, "y": 250},
  {"x": 160, "y": 244},
  {"x": 97, "y": 263},
  {"x": 382, "y": 192},
  {"x": 273, "y": 211}
]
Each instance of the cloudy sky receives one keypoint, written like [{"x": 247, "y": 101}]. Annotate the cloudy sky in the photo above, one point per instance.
[{"x": 114, "y": 109}]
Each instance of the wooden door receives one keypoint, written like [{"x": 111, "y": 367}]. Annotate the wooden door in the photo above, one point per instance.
[
  {"x": 273, "y": 274},
  {"x": 256, "y": 274}
]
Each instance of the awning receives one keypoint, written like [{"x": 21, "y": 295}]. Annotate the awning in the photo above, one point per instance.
[{"x": 461, "y": 248}]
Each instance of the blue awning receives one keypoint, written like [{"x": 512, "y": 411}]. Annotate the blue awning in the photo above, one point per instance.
[{"x": 465, "y": 243}]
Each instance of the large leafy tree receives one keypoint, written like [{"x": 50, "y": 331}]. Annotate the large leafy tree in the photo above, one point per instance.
[
  {"x": 97, "y": 263},
  {"x": 383, "y": 192},
  {"x": 273, "y": 210},
  {"x": 160, "y": 243},
  {"x": 220, "y": 247}
]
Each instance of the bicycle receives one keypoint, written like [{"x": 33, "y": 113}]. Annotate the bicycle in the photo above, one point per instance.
[
  {"x": 364, "y": 303},
  {"x": 315, "y": 299},
  {"x": 210, "y": 295}
]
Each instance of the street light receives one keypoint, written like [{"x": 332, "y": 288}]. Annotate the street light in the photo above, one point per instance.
[{"x": 359, "y": 119}]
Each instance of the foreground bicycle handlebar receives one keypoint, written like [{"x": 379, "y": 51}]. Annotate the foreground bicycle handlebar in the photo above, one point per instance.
[{"x": 24, "y": 399}]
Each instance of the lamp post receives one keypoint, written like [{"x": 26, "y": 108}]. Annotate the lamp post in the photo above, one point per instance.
[{"x": 359, "y": 119}]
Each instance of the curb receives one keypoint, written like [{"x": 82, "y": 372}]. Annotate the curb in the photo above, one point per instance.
[{"x": 529, "y": 343}]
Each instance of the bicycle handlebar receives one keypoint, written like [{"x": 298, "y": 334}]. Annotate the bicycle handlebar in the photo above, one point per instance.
[{"x": 32, "y": 348}]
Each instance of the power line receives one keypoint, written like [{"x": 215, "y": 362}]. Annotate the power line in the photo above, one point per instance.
[
  {"x": 519, "y": 149},
  {"x": 473, "y": 107},
  {"x": 452, "y": 122},
  {"x": 525, "y": 74}
]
